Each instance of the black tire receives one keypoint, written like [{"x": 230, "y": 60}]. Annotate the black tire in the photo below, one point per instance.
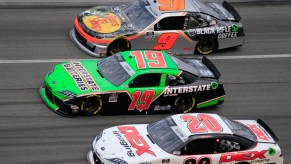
[
  {"x": 118, "y": 45},
  {"x": 91, "y": 105},
  {"x": 184, "y": 104},
  {"x": 206, "y": 46}
]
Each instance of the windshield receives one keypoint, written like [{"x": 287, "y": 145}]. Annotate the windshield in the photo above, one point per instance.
[
  {"x": 138, "y": 14},
  {"x": 166, "y": 134},
  {"x": 240, "y": 130},
  {"x": 115, "y": 69}
]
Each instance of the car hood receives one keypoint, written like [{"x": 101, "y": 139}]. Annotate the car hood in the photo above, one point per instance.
[
  {"x": 130, "y": 143},
  {"x": 79, "y": 77},
  {"x": 106, "y": 22}
]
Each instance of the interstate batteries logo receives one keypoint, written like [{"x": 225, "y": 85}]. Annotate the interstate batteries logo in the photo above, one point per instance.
[
  {"x": 189, "y": 89},
  {"x": 105, "y": 24},
  {"x": 81, "y": 76}
]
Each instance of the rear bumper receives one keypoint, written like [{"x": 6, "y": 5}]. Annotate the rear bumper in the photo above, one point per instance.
[{"x": 88, "y": 48}]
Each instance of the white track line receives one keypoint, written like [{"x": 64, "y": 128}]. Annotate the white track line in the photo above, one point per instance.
[{"x": 210, "y": 57}]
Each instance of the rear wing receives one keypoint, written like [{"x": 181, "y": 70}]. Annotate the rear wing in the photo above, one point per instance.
[
  {"x": 225, "y": 11},
  {"x": 204, "y": 67},
  {"x": 211, "y": 66},
  {"x": 231, "y": 10},
  {"x": 268, "y": 129}
]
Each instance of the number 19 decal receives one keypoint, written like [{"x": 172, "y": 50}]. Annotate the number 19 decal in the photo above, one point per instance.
[
  {"x": 141, "y": 100},
  {"x": 152, "y": 59},
  {"x": 202, "y": 123}
]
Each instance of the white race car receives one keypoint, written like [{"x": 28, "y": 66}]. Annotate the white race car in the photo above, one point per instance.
[{"x": 196, "y": 138}]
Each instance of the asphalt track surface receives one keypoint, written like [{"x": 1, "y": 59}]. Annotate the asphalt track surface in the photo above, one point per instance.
[{"x": 31, "y": 134}]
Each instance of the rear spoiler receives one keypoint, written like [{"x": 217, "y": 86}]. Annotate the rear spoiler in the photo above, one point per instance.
[
  {"x": 268, "y": 129},
  {"x": 211, "y": 67},
  {"x": 231, "y": 10}
]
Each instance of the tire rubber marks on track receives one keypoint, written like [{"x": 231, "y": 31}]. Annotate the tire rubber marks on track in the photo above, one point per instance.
[{"x": 210, "y": 57}]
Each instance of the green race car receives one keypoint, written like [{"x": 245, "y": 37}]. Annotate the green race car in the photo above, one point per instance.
[{"x": 130, "y": 81}]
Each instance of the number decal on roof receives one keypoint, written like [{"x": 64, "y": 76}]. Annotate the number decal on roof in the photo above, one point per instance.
[
  {"x": 202, "y": 123},
  {"x": 141, "y": 101},
  {"x": 166, "y": 41},
  {"x": 171, "y": 5},
  {"x": 152, "y": 59}
]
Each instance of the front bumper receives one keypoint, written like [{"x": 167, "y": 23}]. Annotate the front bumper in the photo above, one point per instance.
[
  {"x": 54, "y": 103},
  {"x": 93, "y": 158},
  {"x": 89, "y": 48}
]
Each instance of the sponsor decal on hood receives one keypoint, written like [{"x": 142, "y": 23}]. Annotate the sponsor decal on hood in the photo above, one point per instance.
[
  {"x": 81, "y": 76},
  {"x": 136, "y": 140},
  {"x": 103, "y": 23}
]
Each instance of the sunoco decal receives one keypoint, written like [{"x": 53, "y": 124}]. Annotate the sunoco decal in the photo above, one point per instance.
[
  {"x": 172, "y": 91},
  {"x": 81, "y": 76}
]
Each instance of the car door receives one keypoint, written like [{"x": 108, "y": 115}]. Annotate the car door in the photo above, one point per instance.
[
  {"x": 144, "y": 89},
  {"x": 167, "y": 34},
  {"x": 198, "y": 151}
]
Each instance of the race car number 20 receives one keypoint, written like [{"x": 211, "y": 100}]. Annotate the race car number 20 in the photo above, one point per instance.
[
  {"x": 202, "y": 123},
  {"x": 141, "y": 100},
  {"x": 203, "y": 160}
]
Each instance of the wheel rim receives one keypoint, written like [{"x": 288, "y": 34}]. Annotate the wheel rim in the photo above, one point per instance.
[
  {"x": 118, "y": 47},
  {"x": 184, "y": 103},
  {"x": 206, "y": 46},
  {"x": 90, "y": 105}
]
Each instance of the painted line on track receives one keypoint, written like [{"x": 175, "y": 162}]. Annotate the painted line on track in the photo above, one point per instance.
[{"x": 210, "y": 57}]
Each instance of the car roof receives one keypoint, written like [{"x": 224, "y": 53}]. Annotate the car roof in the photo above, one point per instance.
[
  {"x": 132, "y": 61},
  {"x": 201, "y": 123},
  {"x": 190, "y": 6}
]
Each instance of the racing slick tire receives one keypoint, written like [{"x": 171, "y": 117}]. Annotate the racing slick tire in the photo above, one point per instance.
[
  {"x": 118, "y": 45},
  {"x": 206, "y": 46},
  {"x": 184, "y": 104},
  {"x": 91, "y": 105}
]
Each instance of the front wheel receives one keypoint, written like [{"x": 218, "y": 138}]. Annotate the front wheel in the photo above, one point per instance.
[
  {"x": 206, "y": 46},
  {"x": 91, "y": 105},
  {"x": 184, "y": 104},
  {"x": 118, "y": 45}
]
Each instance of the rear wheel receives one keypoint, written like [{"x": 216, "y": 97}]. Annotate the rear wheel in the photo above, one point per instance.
[
  {"x": 118, "y": 45},
  {"x": 206, "y": 46},
  {"x": 184, "y": 104},
  {"x": 91, "y": 105}
]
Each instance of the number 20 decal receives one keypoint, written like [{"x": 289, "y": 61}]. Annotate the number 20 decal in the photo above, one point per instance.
[
  {"x": 166, "y": 41},
  {"x": 141, "y": 101},
  {"x": 202, "y": 160},
  {"x": 172, "y": 5},
  {"x": 202, "y": 123},
  {"x": 152, "y": 59}
]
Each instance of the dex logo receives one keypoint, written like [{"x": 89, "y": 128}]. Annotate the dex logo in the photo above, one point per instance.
[
  {"x": 242, "y": 156},
  {"x": 136, "y": 141}
]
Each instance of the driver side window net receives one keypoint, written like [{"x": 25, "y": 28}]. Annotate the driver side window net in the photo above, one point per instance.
[
  {"x": 196, "y": 22},
  {"x": 201, "y": 146},
  {"x": 170, "y": 23},
  {"x": 146, "y": 80}
]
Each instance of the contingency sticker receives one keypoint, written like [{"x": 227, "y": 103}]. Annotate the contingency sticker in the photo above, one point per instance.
[{"x": 105, "y": 24}]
